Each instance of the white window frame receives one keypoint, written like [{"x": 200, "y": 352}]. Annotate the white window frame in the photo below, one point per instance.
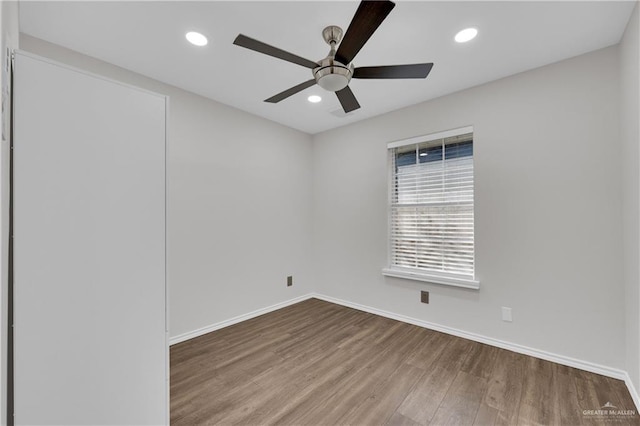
[{"x": 425, "y": 276}]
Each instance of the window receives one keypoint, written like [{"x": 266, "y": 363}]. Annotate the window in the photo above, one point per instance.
[{"x": 431, "y": 233}]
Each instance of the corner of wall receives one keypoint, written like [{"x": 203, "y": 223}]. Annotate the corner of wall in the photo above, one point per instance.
[
  {"x": 9, "y": 41},
  {"x": 629, "y": 50}
]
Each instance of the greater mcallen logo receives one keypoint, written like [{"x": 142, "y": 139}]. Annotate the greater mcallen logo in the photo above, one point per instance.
[{"x": 609, "y": 410}]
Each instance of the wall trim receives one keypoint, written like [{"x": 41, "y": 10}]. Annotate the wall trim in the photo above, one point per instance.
[
  {"x": 559, "y": 359},
  {"x": 231, "y": 321},
  {"x": 632, "y": 390},
  {"x": 525, "y": 350}
]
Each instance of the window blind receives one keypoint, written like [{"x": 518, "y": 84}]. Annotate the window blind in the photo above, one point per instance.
[{"x": 431, "y": 226}]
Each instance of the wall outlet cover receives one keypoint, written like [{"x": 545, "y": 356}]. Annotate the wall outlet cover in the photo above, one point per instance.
[{"x": 506, "y": 314}]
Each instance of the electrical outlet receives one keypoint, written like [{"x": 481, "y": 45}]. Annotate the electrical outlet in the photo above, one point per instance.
[
  {"x": 289, "y": 281},
  {"x": 424, "y": 296},
  {"x": 506, "y": 314}
]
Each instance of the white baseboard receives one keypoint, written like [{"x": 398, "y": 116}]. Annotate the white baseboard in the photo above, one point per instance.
[
  {"x": 632, "y": 390},
  {"x": 559, "y": 359},
  {"x": 226, "y": 323}
]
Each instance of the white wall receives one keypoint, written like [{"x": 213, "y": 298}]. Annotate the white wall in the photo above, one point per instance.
[
  {"x": 548, "y": 207},
  {"x": 9, "y": 40},
  {"x": 630, "y": 137},
  {"x": 239, "y": 203}
]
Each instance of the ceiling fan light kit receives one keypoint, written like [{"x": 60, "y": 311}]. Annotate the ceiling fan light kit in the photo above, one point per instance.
[
  {"x": 334, "y": 72},
  {"x": 333, "y": 77}
]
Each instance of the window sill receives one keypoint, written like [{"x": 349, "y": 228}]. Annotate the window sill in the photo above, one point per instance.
[{"x": 435, "y": 279}]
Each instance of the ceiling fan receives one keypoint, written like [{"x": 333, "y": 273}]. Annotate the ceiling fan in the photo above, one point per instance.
[{"x": 334, "y": 72}]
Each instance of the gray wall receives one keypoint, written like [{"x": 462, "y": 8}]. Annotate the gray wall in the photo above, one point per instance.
[
  {"x": 239, "y": 203},
  {"x": 630, "y": 137},
  {"x": 547, "y": 216}
]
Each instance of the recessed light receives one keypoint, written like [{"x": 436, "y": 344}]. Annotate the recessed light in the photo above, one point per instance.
[
  {"x": 196, "y": 38},
  {"x": 466, "y": 35},
  {"x": 314, "y": 99},
  {"x": 423, "y": 154}
]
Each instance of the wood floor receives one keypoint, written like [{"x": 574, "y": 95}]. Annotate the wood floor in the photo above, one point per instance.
[{"x": 317, "y": 363}]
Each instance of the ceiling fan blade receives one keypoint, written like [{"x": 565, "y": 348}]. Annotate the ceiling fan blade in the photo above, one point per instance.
[
  {"x": 394, "y": 71},
  {"x": 347, "y": 99},
  {"x": 365, "y": 22},
  {"x": 292, "y": 91},
  {"x": 258, "y": 46}
]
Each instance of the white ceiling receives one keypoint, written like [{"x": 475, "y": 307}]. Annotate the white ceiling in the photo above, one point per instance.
[{"x": 148, "y": 38}]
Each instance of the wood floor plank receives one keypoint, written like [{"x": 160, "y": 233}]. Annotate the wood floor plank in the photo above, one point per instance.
[
  {"x": 383, "y": 400},
  {"x": 316, "y": 395},
  {"x": 333, "y": 400},
  {"x": 219, "y": 405},
  {"x": 623, "y": 399},
  {"x": 352, "y": 388},
  {"x": 423, "y": 402},
  {"x": 184, "y": 404},
  {"x": 505, "y": 386},
  {"x": 461, "y": 403},
  {"x": 480, "y": 360},
  {"x": 317, "y": 363},
  {"x": 429, "y": 351},
  {"x": 486, "y": 416},
  {"x": 538, "y": 403},
  {"x": 569, "y": 412},
  {"x": 398, "y": 419},
  {"x": 455, "y": 353},
  {"x": 596, "y": 393}
]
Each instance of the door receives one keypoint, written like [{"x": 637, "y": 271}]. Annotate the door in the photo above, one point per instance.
[{"x": 90, "y": 336}]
